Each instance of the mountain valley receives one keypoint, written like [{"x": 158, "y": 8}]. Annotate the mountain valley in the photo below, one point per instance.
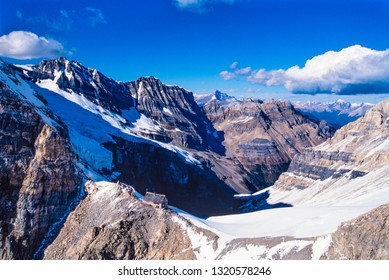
[{"x": 245, "y": 179}]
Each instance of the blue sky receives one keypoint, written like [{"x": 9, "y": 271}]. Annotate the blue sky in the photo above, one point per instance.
[{"x": 194, "y": 43}]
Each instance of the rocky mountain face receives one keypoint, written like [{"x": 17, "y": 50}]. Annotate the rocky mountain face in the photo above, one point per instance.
[
  {"x": 157, "y": 139},
  {"x": 355, "y": 150},
  {"x": 363, "y": 238},
  {"x": 171, "y": 109},
  {"x": 265, "y": 136},
  {"x": 39, "y": 177},
  {"x": 203, "y": 188},
  {"x": 174, "y": 109},
  {"x": 352, "y": 162},
  {"x": 338, "y": 113},
  {"x": 149, "y": 110}
]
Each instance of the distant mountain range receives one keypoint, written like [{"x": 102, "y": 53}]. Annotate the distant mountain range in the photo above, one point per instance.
[
  {"x": 68, "y": 133},
  {"x": 338, "y": 113}
]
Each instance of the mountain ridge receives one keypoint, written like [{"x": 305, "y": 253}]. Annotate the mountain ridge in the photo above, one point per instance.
[{"x": 114, "y": 145}]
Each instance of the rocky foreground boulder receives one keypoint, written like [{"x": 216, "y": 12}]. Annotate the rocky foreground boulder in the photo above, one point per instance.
[{"x": 111, "y": 223}]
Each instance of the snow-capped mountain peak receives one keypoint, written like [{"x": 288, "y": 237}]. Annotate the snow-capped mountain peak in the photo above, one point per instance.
[
  {"x": 221, "y": 97},
  {"x": 72, "y": 76}
]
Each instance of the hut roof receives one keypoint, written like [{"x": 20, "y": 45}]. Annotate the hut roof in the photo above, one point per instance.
[{"x": 154, "y": 197}]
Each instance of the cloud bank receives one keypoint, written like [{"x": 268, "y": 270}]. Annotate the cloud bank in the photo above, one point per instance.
[
  {"x": 353, "y": 70},
  {"x": 27, "y": 45}
]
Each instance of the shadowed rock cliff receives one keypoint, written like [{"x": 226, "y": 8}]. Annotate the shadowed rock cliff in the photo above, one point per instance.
[{"x": 39, "y": 178}]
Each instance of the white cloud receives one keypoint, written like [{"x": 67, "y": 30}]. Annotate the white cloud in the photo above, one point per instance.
[
  {"x": 198, "y": 5},
  {"x": 352, "y": 70},
  {"x": 234, "y": 65},
  {"x": 27, "y": 45},
  {"x": 186, "y": 3},
  {"x": 243, "y": 71},
  {"x": 235, "y": 72},
  {"x": 226, "y": 75},
  {"x": 96, "y": 16}
]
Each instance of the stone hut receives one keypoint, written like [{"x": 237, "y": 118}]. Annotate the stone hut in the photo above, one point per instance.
[{"x": 156, "y": 200}]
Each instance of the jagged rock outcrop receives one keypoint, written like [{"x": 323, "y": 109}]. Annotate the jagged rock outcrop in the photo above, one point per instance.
[
  {"x": 363, "y": 238},
  {"x": 39, "y": 178},
  {"x": 110, "y": 223},
  {"x": 265, "y": 136}
]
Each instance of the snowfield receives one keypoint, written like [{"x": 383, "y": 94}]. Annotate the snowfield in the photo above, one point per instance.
[
  {"x": 317, "y": 210},
  {"x": 316, "y": 213},
  {"x": 290, "y": 221}
]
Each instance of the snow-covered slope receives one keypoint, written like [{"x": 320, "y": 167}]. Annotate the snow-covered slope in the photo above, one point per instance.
[
  {"x": 106, "y": 223},
  {"x": 146, "y": 110},
  {"x": 316, "y": 210}
]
